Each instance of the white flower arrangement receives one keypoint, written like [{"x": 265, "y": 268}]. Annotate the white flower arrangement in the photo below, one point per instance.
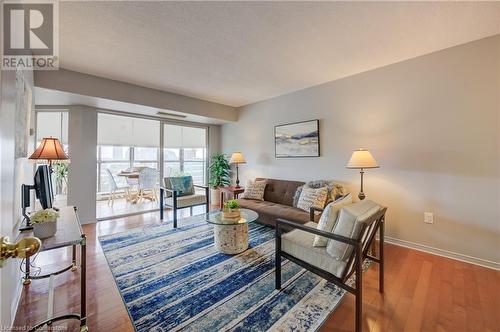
[{"x": 47, "y": 215}]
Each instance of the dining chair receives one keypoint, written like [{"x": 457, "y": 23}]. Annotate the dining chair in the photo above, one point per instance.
[
  {"x": 146, "y": 187},
  {"x": 115, "y": 188}
]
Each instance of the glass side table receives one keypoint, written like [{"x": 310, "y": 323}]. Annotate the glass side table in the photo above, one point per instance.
[{"x": 231, "y": 234}]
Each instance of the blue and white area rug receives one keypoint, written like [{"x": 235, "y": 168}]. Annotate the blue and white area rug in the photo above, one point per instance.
[{"x": 173, "y": 280}]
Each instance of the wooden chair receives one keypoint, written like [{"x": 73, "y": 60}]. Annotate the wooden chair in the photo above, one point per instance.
[
  {"x": 172, "y": 198},
  {"x": 335, "y": 271}
]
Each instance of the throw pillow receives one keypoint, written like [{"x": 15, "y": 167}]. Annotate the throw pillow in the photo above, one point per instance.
[
  {"x": 329, "y": 217},
  {"x": 349, "y": 224},
  {"x": 310, "y": 197},
  {"x": 254, "y": 190},
  {"x": 296, "y": 196},
  {"x": 182, "y": 184}
]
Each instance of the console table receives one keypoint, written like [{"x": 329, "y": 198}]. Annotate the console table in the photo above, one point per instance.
[{"x": 69, "y": 233}]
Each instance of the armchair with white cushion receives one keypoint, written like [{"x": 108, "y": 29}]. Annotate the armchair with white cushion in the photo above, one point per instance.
[
  {"x": 338, "y": 253},
  {"x": 179, "y": 192}
]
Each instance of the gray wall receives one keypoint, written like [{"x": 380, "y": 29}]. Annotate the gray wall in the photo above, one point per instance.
[
  {"x": 432, "y": 123},
  {"x": 13, "y": 173}
]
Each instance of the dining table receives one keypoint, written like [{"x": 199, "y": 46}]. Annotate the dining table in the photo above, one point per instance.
[{"x": 130, "y": 175}]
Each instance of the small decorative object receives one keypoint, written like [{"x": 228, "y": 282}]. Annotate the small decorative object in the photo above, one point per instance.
[
  {"x": 362, "y": 159},
  {"x": 237, "y": 158},
  {"x": 219, "y": 176},
  {"x": 300, "y": 139},
  {"x": 44, "y": 223},
  {"x": 231, "y": 209}
]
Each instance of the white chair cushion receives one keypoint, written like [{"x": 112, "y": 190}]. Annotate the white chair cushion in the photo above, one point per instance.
[
  {"x": 329, "y": 217},
  {"x": 189, "y": 200},
  {"x": 349, "y": 224},
  {"x": 299, "y": 244}
]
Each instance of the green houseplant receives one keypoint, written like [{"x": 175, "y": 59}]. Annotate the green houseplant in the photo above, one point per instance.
[
  {"x": 219, "y": 176},
  {"x": 231, "y": 209}
]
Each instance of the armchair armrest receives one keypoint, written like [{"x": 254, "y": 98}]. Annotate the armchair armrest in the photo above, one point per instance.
[
  {"x": 172, "y": 191},
  {"x": 312, "y": 212},
  {"x": 200, "y": 186},
  {"x": 313, "y": 209},
  {"x": 315, "y": 231}
]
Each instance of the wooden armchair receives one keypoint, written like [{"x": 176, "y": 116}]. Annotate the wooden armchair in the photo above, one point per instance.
[
  {"x": 172, "y": 197},
  {"x": 297, "y": 246}
]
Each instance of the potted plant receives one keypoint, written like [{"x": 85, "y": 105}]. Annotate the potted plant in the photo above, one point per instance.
[
  {"x": 44, "y": 223},
  {"x": 231, "y": 209},
  {"x": 219, "y": 176}
]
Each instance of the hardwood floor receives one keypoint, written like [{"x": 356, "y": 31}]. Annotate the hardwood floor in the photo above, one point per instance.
[{"x": 423, "y": 292}]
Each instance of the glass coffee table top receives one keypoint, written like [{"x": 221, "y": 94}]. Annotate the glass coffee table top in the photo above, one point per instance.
[{"x": 246, "y": 216}]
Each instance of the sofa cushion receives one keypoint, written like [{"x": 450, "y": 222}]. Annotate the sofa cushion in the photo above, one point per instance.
[
  {"x": 269, "y": 211},
  {"x": 280, "y": 191},
  {"x": 349, "y": 224},
  {"x": 298, "y": 243},
  {"x": 329, "y": 217},
  {"x": 312, "y": 198},
  {"x": 255, "y": 190}
]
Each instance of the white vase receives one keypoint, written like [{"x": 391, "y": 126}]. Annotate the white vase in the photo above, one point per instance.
[
  {"x": 214, "y": 196},
  {"x": 45, "y": 230}
]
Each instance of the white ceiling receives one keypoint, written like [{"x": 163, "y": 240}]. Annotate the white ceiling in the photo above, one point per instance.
[{"x": 236, "y": 53}]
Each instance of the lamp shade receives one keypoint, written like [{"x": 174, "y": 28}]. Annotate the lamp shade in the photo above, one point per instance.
[
  {"x": 237, "y": 158},
  {"x": 49, "y": 149},
  {"x": 362, "y": 159}
]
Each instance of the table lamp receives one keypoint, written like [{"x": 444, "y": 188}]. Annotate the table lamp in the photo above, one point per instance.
[
  {"x": 237, "y": 158},
  {"x": 49, "y": 149},
  {"x": 362, "y": 159}
]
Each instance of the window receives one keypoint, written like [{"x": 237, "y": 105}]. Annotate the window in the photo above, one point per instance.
[{"x": 185, "y": 152}]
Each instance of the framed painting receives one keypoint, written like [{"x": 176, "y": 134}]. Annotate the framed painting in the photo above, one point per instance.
[{"x": 295, "y": 140}]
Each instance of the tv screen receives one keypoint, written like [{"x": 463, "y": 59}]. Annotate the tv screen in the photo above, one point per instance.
[{"x": 43, "y": 186}]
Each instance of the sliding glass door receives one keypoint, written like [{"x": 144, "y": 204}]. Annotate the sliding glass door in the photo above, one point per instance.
[
  {"x": 185, "y": 152},
  {"x": 128, "y": 155},
  {"x": 129, "y": 145}
]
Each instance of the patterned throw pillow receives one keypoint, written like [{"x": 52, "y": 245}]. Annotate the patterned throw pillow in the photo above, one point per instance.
[
  {"x": 329, "y": 217},
  {"x": 254, "y": 190},
  {"x": 310, "y": 197},
  {"x": 182, "y": 184}
]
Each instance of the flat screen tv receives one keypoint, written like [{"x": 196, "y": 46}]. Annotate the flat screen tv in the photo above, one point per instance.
[{"x": 43, "y": 186}]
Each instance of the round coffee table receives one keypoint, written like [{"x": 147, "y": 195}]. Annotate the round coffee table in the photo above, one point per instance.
[{"x": 231, "y": 234}]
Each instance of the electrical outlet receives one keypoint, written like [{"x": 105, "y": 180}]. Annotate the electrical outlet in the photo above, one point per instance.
[{"x": 428, "y": 217}]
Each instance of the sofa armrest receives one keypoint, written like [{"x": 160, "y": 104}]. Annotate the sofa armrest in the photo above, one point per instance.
[{"x": 315, "y": 231}]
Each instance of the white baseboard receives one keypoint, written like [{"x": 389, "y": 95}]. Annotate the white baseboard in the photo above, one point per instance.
[{"x": 443, "y": 253}]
